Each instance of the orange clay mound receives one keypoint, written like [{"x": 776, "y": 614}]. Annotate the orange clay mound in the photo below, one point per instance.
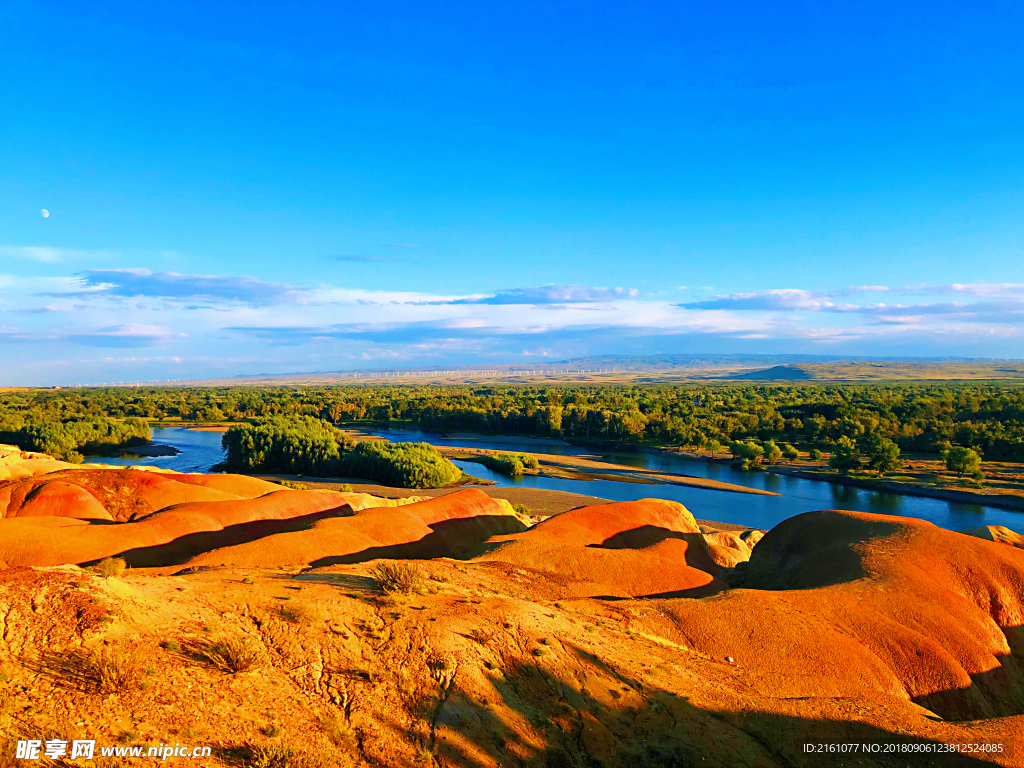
[
  {"x": 728, "y": 549},
  {"x": 903, "y": 608},
  {"x": 126, "y": 494},
  {"x": 16, "y": 463},
  {"x": 57, "y": 498},
  {"x": 166, "y": 537},
  {"x": 241, "y": 486},
  {"x": 626, "y": 549},
  {"x": 360, "y": 501},
  {"x": 437, "y": 527},
  {"x": 998, "y": 533}
]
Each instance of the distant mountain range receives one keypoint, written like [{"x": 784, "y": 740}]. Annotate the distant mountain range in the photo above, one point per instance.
[{"x": 662, "y": 362}]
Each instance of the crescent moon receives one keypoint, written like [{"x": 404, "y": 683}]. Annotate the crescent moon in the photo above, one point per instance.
[{"x": 46, "y": 213}]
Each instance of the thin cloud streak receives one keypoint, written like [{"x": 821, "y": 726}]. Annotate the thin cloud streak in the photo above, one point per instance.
[
  {"x": 550, "y": 294},
  {"x": 1005, "y": 304},
  {"x": 130, "y": 283},
  {"x": 356, "y": 257}
]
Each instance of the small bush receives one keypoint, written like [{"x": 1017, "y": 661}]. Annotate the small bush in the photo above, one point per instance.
[
  {"x": 111, "y": 566},
  {"x": 283, "y": 756},
  {"x": 510, "y": 464},
  {"x": 113, "y": 669},
  {"x": 398, "y": 577},
  {"x": 522, "y": 509},
  {"x": 303, "y": 614},
  {"x": 293, "y": 486},
  {"x": 231, "y": 653},
  {"x": 482, "y": 635},
  {"x": 337, "y": 730}
]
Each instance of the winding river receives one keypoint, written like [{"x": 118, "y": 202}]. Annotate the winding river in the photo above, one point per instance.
[
  {"x": 798, "y": 495},
  {"x": 198, "y": 451}
]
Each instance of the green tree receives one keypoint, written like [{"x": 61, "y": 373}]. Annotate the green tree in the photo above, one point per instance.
[
  {"x": 772, "y": 452},
  {"x": 791, "y": 453},
  {"x": 844, "y": 455},
  {"x": 747, "y": 452},
  {"x": 402, "y": 465},
  {"x": 962, "y": 460},
  {"x": 884, "y": 456},
  {"x": 713, "y": 446},
  {"x": 814, "y": 454}
]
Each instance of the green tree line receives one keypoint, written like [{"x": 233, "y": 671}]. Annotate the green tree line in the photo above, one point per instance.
[{"x": 924, "y": 417}]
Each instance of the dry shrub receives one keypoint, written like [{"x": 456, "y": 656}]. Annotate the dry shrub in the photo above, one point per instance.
[
  {"x": 398, "y": 577},
  {"x": 116, "y": 669},
  {"x": 111, "y": 566},
  {"x": 109, "y": 669},
  {"x": 303, "y": 614},
  {"x": 337, "y": 730},
  {"x": 482, "y": 635},
  {"x": 284, "y": 756},
  {"x": 231, "y": 653}
]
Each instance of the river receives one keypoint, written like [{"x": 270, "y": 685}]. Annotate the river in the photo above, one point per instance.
[
  {"x": 798, "y": 495},
  {"x": 199, "y": 451}
]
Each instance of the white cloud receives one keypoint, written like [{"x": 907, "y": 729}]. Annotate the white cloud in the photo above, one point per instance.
[
  {"x": 1010, "y": 291},
  {"x": 219, "y": 318}
]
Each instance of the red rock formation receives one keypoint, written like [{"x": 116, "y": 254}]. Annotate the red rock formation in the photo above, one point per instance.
[
  {"x": 59, "y": 540},
  {"x": 626, "y": 549},
  {"x": 57, "y": 498},
  {"x": 441, "y": 526},
  {"x": 901, "y": 607}
]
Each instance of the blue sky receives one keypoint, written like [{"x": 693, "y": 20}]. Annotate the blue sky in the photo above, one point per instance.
[{"x": 273, "y": 188}]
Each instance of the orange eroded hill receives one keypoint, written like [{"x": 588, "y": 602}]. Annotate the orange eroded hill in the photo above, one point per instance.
[
  {"x": 436, "y": 527},
  {"x": 56, "y": 498},
  {"x": 165, "y": 537},
  {"x": 845, "y": 627},
  {"x": 851, "y": 605},
  {"x": 626, "y": 549},
  {"x": 128, "y": 494}
]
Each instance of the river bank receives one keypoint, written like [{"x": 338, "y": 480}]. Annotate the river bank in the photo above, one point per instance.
[
  {"x": 819, "y": 473},
  {"x": 583, "y": 469}
]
